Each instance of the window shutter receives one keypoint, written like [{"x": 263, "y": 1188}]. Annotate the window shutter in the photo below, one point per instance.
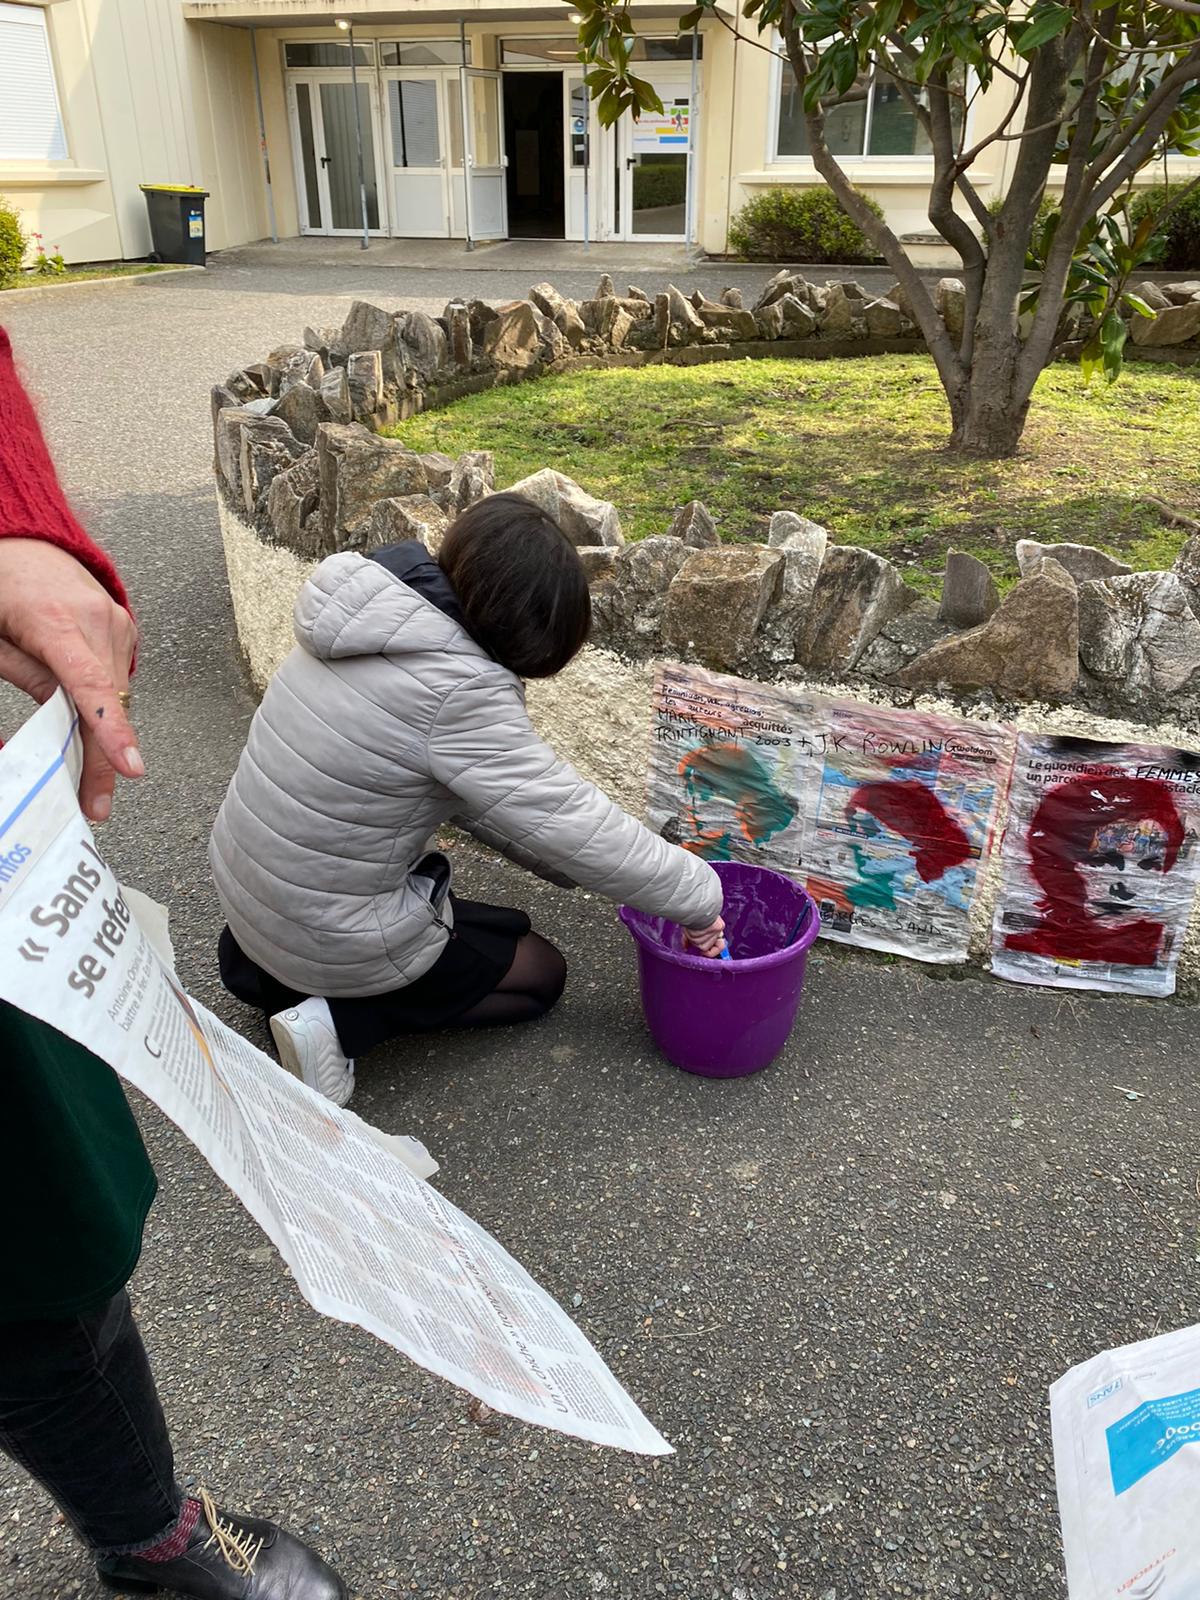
[{"x": 31, "y": 125}]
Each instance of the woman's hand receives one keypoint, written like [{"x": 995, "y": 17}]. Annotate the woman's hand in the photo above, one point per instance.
[
  {"x": 708, "y": 941},
  {"x": 59, "y": 626}
]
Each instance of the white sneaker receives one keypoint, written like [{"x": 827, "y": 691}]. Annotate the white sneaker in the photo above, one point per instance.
[{"x": 308, "y": 1048}]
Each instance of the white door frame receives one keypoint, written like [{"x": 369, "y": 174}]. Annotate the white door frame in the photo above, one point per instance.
[
  {"x": 675, "y": 75},
  {"x": 313, "y": 77}
]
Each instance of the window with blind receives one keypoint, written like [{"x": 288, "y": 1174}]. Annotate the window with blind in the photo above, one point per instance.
[
  {"x": 31, "y": 124},
  {"x": 414, "y": 108}
]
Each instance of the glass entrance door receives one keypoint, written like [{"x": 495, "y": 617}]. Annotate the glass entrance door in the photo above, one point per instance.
[
  {"x": 417, "y": 110},
  {"x": 485, "y": 155},
  {"x": 325, "y": 142},
  {"x": 655, "y": 152}
]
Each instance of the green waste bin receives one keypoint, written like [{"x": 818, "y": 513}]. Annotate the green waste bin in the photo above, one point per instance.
[{"x": 176, "y": 222}]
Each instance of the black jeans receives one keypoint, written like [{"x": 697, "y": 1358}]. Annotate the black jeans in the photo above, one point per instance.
[{"x": 79, "y": 1411}]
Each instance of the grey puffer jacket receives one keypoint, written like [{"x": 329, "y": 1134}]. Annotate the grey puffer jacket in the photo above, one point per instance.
[{"x": 384, "y": 722}]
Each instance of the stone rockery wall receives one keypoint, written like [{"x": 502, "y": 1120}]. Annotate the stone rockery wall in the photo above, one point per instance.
[{"x": 303, "y": 472}]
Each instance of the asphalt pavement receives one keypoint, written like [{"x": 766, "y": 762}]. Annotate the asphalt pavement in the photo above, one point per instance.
[{"x": 840, "y": 1288}]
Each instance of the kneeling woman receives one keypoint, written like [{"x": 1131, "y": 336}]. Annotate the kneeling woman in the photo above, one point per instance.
[{"x": 402, "y": 708}]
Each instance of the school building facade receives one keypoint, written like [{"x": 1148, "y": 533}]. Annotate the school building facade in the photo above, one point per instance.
[{"x": 474, "y": 122}]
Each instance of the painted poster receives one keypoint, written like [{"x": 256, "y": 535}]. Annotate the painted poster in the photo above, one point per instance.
[
  {"x": 1099, "y": 865},
  {"x": 900, "y": 815},
  {"x": 727, "y": 766}
]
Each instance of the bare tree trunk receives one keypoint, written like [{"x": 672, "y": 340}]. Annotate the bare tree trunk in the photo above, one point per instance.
[{"x": 988, "y": 412}]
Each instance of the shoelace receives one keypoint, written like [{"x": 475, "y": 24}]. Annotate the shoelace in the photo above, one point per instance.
[{"x": 238, "y": 1545}]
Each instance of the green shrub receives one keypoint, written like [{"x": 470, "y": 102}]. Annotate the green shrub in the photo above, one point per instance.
[
  {"x": 12, "y": 244},
  {"x": 1047, "y": 205},
  {"x": 1180, "y": 232},
  {"x": 659, "y": 186},
  {"x": 799, "y": 225}
]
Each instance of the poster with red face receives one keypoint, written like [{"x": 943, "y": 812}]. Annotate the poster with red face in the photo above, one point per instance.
[
  {"x": 899, "y": 810},
  {"x": 1098, "y": 866}
]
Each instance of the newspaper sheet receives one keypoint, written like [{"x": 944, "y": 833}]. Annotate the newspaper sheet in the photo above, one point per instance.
[
  {"x": 1127, "y": 1463},
  {"x": 369, "y": 1241},
  {"x": 1099, "y": 865},
  {"x": 899, "y": 812},
  {"x": 727, "y": 766}
]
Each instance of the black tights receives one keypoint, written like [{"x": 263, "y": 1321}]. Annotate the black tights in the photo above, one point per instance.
[{"x": 530, "y": 988}]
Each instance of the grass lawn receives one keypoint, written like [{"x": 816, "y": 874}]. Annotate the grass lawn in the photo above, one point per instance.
[
  {"x": 857, "y": 445},
  {"x": 116, "y": 269}
]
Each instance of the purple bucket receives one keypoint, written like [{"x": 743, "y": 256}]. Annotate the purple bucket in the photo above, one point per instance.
[{"x": 727, "y": 1019}]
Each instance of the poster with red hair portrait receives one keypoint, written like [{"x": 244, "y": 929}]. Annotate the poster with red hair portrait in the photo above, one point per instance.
[
  {"x": 1098, "y": 865},
  {"x": 900, "y": 814}
]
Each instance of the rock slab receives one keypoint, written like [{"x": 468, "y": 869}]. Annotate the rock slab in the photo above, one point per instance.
[
  {"x": 969, "y": 592},
  {"x": 357, "y": 469},
  {"x": 627, "y": 605},
  {"x": 694, "y": 525},
  {"x": 1175, "y": 325},
  {"x": 1138, "y": 634},
  {"x": 717, "y": 600},
  {"x": 1083, "y": 561},
  {"x": 856, "y": 595},
  {"x": 584, "y": 519},
  {"x": 1028, "y": 649}
]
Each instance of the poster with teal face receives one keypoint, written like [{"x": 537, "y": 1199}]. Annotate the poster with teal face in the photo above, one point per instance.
[{"x": 728, "y": 766}]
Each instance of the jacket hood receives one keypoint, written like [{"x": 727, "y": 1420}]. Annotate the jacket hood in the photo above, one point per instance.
[
  {"x": 412, "y": 564},
  {"x": 394, "y": 603}
]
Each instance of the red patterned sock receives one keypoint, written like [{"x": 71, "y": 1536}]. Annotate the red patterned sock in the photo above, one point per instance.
[{"x": 173, "y": 1546}]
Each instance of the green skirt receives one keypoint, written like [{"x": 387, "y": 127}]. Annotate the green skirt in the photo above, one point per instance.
[{"x": 75, "y": 1180}]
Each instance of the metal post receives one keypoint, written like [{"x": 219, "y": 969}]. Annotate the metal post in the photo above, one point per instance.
[
  {"x": 467, "y": 154},
  {"x": 689, "y": 226},
  {"x": 262, "y": 137},
  {"x": 587, "y": 167},
  {"x": 358, "y": 139},
  {"x": 733, "y": 99}
]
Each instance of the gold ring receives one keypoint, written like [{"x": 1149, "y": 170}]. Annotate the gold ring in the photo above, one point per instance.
[{"x": 124, "y": 696}]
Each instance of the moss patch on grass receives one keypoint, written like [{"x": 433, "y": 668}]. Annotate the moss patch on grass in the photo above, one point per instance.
[{"x": 858, "y": 445}]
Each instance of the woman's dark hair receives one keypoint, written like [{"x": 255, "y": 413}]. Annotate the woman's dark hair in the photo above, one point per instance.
[{"x": 522, "y": 588}]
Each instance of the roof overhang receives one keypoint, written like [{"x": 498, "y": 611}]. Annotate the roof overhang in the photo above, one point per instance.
[{"x": 364, "y": 13}]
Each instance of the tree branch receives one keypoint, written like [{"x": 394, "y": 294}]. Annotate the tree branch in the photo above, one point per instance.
[
  {"x": 1071, "y": 219},
  {"x": 1167, "y": 93},
  {"x": 1000, "y": 137},
  {"x": 744, "y": 38},
  {"x": 941, "y": 347},
  {"x": 953, "y": 228},
  {"x": 937, "y": 82},
  {"x": 1138, "y": 153}
]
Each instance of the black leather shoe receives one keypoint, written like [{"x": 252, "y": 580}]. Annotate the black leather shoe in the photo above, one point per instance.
[{"x": 230, "y": 1558}]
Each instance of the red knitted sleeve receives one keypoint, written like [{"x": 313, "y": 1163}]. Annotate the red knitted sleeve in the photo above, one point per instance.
[{"x": 32, "y": 504}]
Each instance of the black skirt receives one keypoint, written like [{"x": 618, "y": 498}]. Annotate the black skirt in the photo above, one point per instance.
[{"x": 475, "y": 961}]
